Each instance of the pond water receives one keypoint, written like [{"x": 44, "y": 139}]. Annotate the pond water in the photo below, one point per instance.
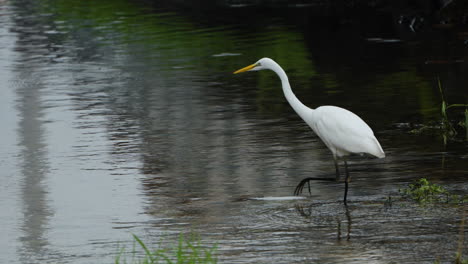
[{"x": 122, "y": 117}]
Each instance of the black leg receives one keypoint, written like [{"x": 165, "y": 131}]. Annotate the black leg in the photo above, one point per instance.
[
  {"x": 301, "y": 184},
  {"x": 348, "y": 217},
  {"x": 348, "y": 220},
  {"x": 347, "y": 180}
]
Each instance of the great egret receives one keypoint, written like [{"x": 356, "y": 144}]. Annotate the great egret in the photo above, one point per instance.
[{"x": 342, "y": 131}]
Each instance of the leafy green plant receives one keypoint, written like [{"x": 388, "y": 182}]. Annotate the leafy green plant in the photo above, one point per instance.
[
  {"x": 185, "y": 251},
  {"x": 424, "y": 192}
]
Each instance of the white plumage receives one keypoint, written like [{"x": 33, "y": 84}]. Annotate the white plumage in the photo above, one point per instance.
[{"x": 343, "y": 132}]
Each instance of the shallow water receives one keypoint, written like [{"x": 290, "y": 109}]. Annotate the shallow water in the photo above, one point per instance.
[{"x": 124, "y": 118}]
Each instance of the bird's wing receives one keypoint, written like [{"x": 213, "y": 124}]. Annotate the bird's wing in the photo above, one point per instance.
[{"x": 344, "y": 132}]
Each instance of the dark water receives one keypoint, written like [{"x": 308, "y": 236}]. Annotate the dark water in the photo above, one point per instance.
[{"x": 124, "y": 117}]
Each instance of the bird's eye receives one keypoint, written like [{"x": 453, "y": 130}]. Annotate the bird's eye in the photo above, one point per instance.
[{"x": 258, "y": 64}]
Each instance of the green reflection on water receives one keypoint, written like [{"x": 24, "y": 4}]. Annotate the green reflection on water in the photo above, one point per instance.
[
  {"x": 176, "y": 44},
  {"x": 289, "y": 50},
  {"x": 405, "y": 86}
]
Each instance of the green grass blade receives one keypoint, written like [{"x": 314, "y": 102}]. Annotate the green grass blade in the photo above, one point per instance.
[
  {"x": 147, "y": 252},
  {"x": 457, "y": 105}
]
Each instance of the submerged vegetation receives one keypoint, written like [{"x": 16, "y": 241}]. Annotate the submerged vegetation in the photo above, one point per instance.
[
  {"x": 425, "y": 192},
  {"x": 185, "y": 251},
  {"x": 422, "y": 191},
  {"x": 447, "y": 127}
]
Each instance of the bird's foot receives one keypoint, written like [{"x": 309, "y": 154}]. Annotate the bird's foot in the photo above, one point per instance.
[{"x": 300, "y": 186}]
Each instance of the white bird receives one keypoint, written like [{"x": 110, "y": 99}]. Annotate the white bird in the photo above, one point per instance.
[{"x": 342, "y": 131}]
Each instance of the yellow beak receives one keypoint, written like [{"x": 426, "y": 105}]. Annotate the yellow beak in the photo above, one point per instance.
[{"x": 245, "y": 68}]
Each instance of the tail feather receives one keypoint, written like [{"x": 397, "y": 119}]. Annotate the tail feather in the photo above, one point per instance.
[{"x": 376, "y": 150}]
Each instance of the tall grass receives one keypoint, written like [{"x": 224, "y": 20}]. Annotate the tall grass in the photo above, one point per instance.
[
  {"x": 185, "y": 251},
  {"x": 449, "y": 131}
]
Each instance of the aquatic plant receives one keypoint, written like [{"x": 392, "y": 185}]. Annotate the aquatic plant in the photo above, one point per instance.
[
  {"x": 185, "y": 251},
  {"x": 448, "y": 130},
  {"x": 424, "y": 192},
  {"x": 460, "y": 260},
  {"x": 446, "y": 127}
]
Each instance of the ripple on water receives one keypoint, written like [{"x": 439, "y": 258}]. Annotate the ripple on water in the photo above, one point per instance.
[{"x": 364, "y": 231}]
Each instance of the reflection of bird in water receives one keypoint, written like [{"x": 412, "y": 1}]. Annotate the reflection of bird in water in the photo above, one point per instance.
[
  {"x": 342, "y": 131},
  {"x": 308, "y": 213}
]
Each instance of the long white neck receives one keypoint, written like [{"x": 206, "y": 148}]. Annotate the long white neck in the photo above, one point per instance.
[{"x": 297, "y": 105}]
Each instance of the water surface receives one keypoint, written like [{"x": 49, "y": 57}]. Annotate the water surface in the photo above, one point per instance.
[{"x": 124, "y": 118}]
